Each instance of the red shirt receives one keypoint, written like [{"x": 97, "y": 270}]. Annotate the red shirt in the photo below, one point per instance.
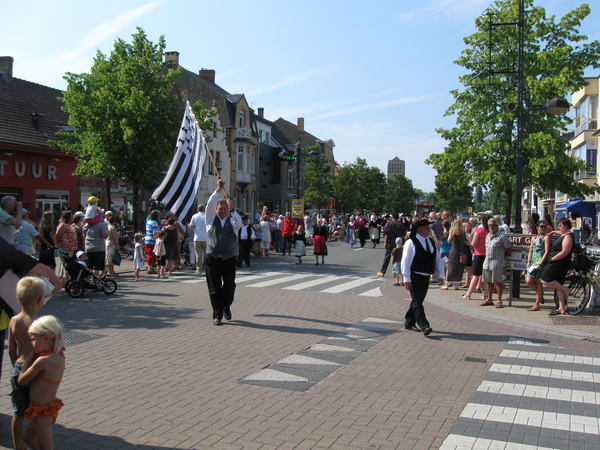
[{"x": 288, "y": 227}]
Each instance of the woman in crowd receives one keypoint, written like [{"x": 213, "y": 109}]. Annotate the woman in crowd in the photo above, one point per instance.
[
  {"x": 320, "y": 237},
  {"x": 478, "y": 246},
  {"x": 257, "y": 242},
  {"x": 532, "y": 223},
  {"x": 265, "y": 228},
  {"x": 548, "y": 220},
  {"x": 112, "y": 246},
  {"x": 46, "y": 229},
  {"x": 171, "y": 244},
  {"x": 538, "y": 254},
  {"x": 559, "y": 260},
  {"x": 351, "y": 233},
  {"x": 469, "y": 266},
  {"x": 66, "y": 239},
  {"x": 78, "y": 227},
  {"x": 374, "y": 229},
  {"x": 457, "y": 258},
  {"x": 445, "y": 246}
]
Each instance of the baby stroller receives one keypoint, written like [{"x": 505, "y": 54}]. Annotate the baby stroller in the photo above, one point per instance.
[{"x": 78, "y": 283}]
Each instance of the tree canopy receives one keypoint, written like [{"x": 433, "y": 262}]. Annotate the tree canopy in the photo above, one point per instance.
[
  {"x": 318, "y": 176},
  {"x": 124, "y": 117},
  {"x": 480, "y": 149},
  {"x": 400, "y": 195}
]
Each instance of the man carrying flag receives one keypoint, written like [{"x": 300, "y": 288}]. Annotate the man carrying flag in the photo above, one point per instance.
[{"x": 222, "y": 226}]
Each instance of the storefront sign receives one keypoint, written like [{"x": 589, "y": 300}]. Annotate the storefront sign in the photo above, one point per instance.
[
  {"x": 22, "y": 169},
  {"x": 297, "y": 209}
]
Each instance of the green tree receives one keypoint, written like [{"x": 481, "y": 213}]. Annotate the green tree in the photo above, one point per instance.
[
  {"x": 124, "y": 118},
  {"x": 400, "y": 196},
  {"x": 317, "y": 176},
  {"x": 359, "y": 187},
  {"x": 452, "y": 197},
  {"x": 481, "y": 147},
  {"x": 204, "y": 118}
]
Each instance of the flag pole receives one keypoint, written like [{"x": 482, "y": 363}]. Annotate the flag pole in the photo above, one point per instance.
[{"x": 213, "y": 161}]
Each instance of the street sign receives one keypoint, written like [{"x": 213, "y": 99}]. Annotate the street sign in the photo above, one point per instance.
[
  {"x": 297, "y": 208},
  {"x": 517, "y": 260}
]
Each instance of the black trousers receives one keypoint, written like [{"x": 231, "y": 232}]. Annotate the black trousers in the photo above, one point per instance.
[
  {"x": 245, "y": 251},
  {"x": 391, "y": 244},
  {"x": 220, "y": 277},
  {"x": 418, "y": 290}
]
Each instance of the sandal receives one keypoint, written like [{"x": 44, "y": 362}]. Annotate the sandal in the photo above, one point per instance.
[
  {"x": 486, "y": 303},
  {"x": 499, "y": 305},
  {"x": 464, "y": 286},
  {"x": 445, "y": 288},
  {"x": 478, "y": 291},
  {"x": 556, "y": 312},
  {"x": 533, "y": 308},
  {"x": 396, "y": 284},
  {"x": 466, "y": 297}
]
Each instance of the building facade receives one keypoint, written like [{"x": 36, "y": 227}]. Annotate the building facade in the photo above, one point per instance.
[{"x": 395, "y": 167}]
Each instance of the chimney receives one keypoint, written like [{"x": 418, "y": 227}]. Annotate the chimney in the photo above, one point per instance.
[
  {"x": 172, "y": 58},
  {"x": 38, "y": 123},
  {"x": 261, "y": 112},
  {"x": 207, "y": 74},
  {"x": 6, "y": 66},
  {"x": 300, "y": 123}
]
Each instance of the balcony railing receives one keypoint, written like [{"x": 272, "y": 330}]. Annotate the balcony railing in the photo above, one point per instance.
[{"x": 244, "y": 133}]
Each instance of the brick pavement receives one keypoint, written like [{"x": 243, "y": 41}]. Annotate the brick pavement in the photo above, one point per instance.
[{"x": 163, "y": 377}]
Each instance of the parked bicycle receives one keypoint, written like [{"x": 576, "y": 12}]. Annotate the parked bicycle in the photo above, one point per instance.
[
  {"x": 126, "y": 244},
  {"x": 582, "y": 280}
]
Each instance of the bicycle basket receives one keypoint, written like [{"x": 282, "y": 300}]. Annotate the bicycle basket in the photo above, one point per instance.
[{"x": 580, "y": 260}]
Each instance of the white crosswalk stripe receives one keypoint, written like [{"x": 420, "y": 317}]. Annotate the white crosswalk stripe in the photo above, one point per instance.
[{"x": 533, "y": 392}]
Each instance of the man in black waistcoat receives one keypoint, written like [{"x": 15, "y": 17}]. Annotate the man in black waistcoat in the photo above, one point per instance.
[
  {"x": 246, "y": 239},
  {"x": 222, "y": 225},
  {"x": 420, "y": 260}
]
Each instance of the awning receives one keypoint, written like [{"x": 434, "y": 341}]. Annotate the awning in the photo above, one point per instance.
[{"x": 584, "y": 209}]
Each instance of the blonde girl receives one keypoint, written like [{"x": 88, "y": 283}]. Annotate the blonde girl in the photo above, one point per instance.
[
  {"x": 138, "y": 255},
  {"x": 44, "y": 368}
]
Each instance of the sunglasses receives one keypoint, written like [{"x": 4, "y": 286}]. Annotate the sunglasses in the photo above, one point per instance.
[{"x": 542, "y": 226}]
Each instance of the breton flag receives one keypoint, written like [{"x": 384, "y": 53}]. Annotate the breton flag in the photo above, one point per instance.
[{"x": 179, "y": 187}]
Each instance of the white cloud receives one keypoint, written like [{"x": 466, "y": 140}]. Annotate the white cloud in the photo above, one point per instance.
[
  {"x": 292, "y": 80},
  {"x": 78, "y": 59},
  {"x": 433, "y": 10}
]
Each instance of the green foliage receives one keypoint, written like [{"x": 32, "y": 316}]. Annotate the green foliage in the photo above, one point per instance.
[
  {"x": 481, "y": 148},
  {"x": 317, "y": 176},
  {"x": 125, "y": 119},
  {"x": 204, "y": 118},
  {"x": 400, "y": 196},
  {"x": 359, "y": 187}
]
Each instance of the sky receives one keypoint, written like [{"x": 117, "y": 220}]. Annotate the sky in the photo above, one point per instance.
[{"x": 373, "y": 77}]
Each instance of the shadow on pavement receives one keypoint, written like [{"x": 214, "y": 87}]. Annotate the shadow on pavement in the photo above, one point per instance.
[
  {"x": 440, "y": 335},
  {"x": 328, "y": 322},
  {"x": 101, "y": 312},
  {"x": 282, "y": 328},
  {"x": 63, "y": 437}
]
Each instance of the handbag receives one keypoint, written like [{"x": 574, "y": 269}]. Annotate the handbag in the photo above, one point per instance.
[
  {"x": 462, "y": 259},
  {"x": 116, "y": 259}
]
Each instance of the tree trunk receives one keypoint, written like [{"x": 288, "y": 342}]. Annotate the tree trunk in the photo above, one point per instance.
[
  {"x": 107, "y": 183},
  {"x": 137, "y": 219}
]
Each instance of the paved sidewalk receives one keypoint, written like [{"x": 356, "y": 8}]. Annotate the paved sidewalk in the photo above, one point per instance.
[{"x": 146, "y": 369}]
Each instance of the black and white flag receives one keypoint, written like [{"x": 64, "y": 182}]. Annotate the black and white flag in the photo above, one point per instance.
[{"x": 179, "y": 187}]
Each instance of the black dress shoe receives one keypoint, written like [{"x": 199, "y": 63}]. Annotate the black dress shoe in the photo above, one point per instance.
[
  {"x": 427, "y": 331},
  {"x": 413, "y": 328},
  {"x": 217, "y": 321},
  {"x": 239, "y": 264},
  {"x": 227, "y": 313}
]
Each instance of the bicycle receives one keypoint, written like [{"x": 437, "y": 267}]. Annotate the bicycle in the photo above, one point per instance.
[
  {"x": 126, "y": 245},
  {"x": 582, "y": 281}
]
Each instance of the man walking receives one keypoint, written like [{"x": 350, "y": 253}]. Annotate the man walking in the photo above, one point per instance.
[
  {"x": 198, "y": 224},
  {"x": 393, "y": 229},
  {"x": 222, "y": 226},
  {"x": 419, "y": 261}
]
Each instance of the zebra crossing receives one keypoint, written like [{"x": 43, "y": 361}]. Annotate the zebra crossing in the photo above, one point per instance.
[
  {"x": 305, "y": 281},
  {"x": 534, "y": 396},
  {"x": 306, "y": 368}
]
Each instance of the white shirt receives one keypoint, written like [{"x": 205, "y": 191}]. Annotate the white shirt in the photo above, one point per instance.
[
  {"x": 198, "y": 223},
  {"x": 409, "y": 254},
  {"x": 244, "y": 233},
  {"x": 211, "y": 213}
]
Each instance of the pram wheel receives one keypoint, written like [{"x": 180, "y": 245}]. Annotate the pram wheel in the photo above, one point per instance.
[
  {"x": 74, "y": 289},
  {"x": 109, "y": 287}
]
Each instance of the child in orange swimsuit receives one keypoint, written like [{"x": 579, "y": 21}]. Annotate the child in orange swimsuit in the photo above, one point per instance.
[{"x": 44, "y": 368}]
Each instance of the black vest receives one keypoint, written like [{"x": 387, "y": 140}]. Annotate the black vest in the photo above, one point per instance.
[
  {"x": 248, "y": 233},
  {"x": 220, "y": 241},
  {"x": 423, "y": 261}
]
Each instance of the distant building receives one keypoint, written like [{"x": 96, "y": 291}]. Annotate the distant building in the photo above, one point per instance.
[{"x": 395, "y": 166}]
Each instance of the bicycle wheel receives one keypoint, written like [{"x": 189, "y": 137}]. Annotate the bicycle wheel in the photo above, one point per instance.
[{"x": 581, "y": 291}]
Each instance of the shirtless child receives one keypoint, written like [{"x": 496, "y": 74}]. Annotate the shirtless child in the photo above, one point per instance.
[{"x": 30, "y": 295}]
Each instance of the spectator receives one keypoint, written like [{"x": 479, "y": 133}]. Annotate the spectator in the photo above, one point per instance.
[
  {"x": 10, "y": 218},
  {"x": 26, "y": 236}
]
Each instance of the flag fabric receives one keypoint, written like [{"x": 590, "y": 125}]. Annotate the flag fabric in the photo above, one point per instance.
[{"x": 179, "y": 187}]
